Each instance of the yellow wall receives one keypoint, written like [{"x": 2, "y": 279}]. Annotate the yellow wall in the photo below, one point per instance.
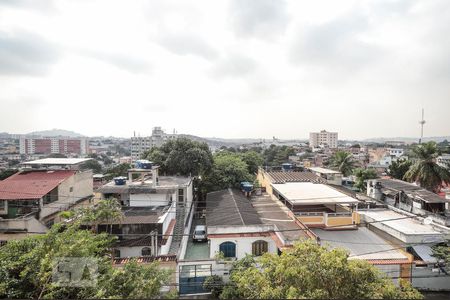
[
  {"x": 338, "y": 221},
  {"x": 264, "y": 180},
  {"x": 311, "y": 219}
]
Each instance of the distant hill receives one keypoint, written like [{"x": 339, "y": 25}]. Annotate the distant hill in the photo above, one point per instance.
[
  {"x": 408, "y": 140},
  {"x": 56, "y": 132}
]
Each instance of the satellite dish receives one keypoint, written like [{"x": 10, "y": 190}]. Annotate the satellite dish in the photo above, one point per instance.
[{"x": 427, "y": 221}]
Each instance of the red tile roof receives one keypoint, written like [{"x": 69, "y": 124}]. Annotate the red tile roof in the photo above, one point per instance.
[
  {"x": 145, "y": 259},
  {"x": 31, "y": 184}
]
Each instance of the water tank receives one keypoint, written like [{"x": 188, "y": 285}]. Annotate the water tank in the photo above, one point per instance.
[
  {"x": 247, "y": 187},
  {"x": 244, "y": 183},
  {"x": 143, "y": 164},
  {"x": 120, "y": 180},
  {"x": 287, "y": 167}
]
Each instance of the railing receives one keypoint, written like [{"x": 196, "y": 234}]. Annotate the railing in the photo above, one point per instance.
[
  {"x": 309, "y": 214},
  {"x": 340, "y": 214}
]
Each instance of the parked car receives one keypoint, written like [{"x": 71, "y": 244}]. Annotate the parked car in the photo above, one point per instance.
[{"x": 199, "y": 234}]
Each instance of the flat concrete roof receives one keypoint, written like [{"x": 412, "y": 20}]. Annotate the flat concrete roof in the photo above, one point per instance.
[
  {"x": 136, "y": 187},
  {"x": 408, "y": 226},
  {"x": 57, "y": 161},
  {"x": 323, "y": 170},
  {"x": 307, "y": 193},
  {"x": 361, "y": 243}
]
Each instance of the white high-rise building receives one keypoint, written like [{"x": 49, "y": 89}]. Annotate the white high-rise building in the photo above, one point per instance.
[
  {"x": 323, "y": 138},
  {"x": 141, "y": 144}
]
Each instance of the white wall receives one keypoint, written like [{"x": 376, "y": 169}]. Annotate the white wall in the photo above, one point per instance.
[
  {"x": 243, "y": 245},
  {"x": 149, "y": 199}
]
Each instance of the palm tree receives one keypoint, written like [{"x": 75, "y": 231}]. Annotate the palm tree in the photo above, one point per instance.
[
  {"x": 343, "y": 162},
  {"x": 425, "y": 170}
]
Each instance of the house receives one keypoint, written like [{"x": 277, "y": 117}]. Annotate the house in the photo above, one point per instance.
[
  {"x": 331, "y": 176},
  {"x": 410, "y": 197},
  {"x": 155, "y": 211},
  {"x": 31, "y": 199},
  {"x": 310, "y": 199}
]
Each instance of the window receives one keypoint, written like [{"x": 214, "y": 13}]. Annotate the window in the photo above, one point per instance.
[
  {"x": 116, "y": 253},
  {"x": 71, "y": 189},
  {"x": 228, "y": 249},
  {"x": 180, "y": 195},
  {"x": 259, "y": 248},
  {"x": 2, "y": 204},
  {"x": 146, "y": 251}
]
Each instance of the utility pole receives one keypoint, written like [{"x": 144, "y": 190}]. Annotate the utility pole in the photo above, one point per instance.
[{"x": 421, "y": 122}]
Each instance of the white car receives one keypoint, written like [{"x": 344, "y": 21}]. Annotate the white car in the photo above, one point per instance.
[{"x": 199, "y": 234}]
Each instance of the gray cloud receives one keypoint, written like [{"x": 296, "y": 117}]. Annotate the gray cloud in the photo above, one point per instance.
[
  {"x": 234, "y": 65},
  {"x": 337, "y": 45},
  {"x": 24, "y": 53},
  {"x": 188, "y": 44},
  {"x": 37, "y": 5},
  {"x": 263, "y": 18},
  {"x": 121, "y": 61}
]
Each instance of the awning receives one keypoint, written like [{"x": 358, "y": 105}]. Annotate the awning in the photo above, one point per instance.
[{"x": 425, "y": 253}]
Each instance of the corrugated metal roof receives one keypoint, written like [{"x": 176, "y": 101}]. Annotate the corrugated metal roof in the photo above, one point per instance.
[
  {"x": 425, "y": 253},
  {"x": 392, "y": 186},
  {"x": 230, "y": 207},
  {"x": 145, "y": 259},
  {"x": 282, "y": 177},
  {"x": 32, "y": 184},
  {"x": 57, "y": 161}
]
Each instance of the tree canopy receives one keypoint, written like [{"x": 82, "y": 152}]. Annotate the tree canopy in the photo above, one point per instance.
[
  {"x": 362, "y": 175},
  {"x": 182, "y": 157},
  {"x": 27, "y": 266},
  {"x": 313, "y": 272},
  {"x": 343, "y": 162},
  {"x": 277, "y": 155},
  {"x": 425, "y": 170},
  {"x": 398, "y": 168}
]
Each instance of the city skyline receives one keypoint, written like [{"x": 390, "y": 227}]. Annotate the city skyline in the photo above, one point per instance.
[{"x": 229, "y": 69}]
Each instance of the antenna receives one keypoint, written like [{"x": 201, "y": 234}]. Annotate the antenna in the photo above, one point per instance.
[{"x": 421, "y": 122}]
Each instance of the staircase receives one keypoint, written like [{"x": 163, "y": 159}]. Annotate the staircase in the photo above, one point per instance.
[{"x": 178, "y": 231}]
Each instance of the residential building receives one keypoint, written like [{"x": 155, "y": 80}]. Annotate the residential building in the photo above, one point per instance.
[
  {"x": 53, "y": 145},
  {"x": 31, "y": 200},
  {"x": 396, "y": 152},
  {"x": 155, "y": 208},
  {"x": 444, "y": 160},
  {"x": 411, "y": 198},
  {"x": 141, "y": 144},
  {"x": 331, "y": 176},
  {"x": 323, "y": 139}
]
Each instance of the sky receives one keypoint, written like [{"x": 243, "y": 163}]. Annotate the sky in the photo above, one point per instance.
[{"x": 230, "y": 69}]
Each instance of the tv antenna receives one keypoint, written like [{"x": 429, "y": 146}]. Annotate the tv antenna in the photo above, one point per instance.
[{"x": 421, "y": 122}]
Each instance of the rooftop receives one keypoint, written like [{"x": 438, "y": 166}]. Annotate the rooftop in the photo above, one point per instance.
[
  {"x": 32, "y": 184},
  {"x": 282, "y": 177},
  {"x": 411, "y": 190},
  {"x": 142, "y": 215},
  {"x": 361, "y": 243},
  {"x": 274, "y": 212},
  {"x": 323, "y": 170},
  {"x": 57, "y": 161},
  {"x": 145, "y": 259},
  {"x": 164, "y": 182},
  {"x": 405, "y": 225},
  {"x": 230, "y": 207},
  {"x": 307, "y": 193}
]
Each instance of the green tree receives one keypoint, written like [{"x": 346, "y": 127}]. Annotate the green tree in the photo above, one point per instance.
[
  {"x": 119, "y": 170},
  {"x": 92, "y": 164},
  {"x": 362, "y": 175},
  {"x": 228, "y": 171},
  {"x": 276, "y": 155},
  {"x": 343, "y": 162},
  {"x": 398, "y": 168},
  {"x": 214, "y": 284},
  {"x": 253, "y": 161},
  {"x": 182, "y": 157},
  {"x": 313, "y": 272},
  {"x": 8, "y": 172},
  {"x": 26, "y": 267},
  {"x": 442, "y": 252},
  {"x": 425, "y": 170}
]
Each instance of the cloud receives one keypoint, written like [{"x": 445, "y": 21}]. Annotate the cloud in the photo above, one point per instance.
[
  {"x": 128, "y": 63},
  {"x": 37, "y": 5},
  {"x": 338, "y": 44},
  {"x": 188, "y": 44},
  {"x": 24, "y": 53},
  {"x": 262, "y": 18},
  {"x": 233, "y": 66}
]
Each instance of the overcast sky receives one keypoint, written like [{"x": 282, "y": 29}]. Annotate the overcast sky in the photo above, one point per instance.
[{"x": 236, "y": 68}]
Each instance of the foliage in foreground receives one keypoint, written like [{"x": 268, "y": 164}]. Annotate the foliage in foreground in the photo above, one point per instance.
[
  {"x": 311, "y": 271},
  {"x": 26, "y": 267}
]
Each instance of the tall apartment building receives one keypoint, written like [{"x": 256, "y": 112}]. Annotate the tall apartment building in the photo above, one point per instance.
[
  {"x": 141, "y": 144},
  {"x": 51, "y": 145},
  {"x": 323, "y": 138}
]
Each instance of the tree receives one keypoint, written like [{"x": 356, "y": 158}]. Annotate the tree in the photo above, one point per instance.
[
  {"x": 182, "y": 157},
  {"x": 26, "y": 267},
  {"x": 56, "y": 155},
  {"x": 442, "y": 253},
  {"x": 6, "y": 173},
  {"x": 253, "y": 161},
  {"x": 119, "y": 170},
  {"x": 214, "y": 284},
  {"x": 313, "y": 272},
  {"x": 362, "y": 175},
  {"x": 425, "y": 170},
  {"x": 228, "y": 171},
  {"x": 343, "y": 162},
  {"x": 92, "y": 164},
  {"x": 398, "y": 168},
  {"x": 276, "y": 155}
]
